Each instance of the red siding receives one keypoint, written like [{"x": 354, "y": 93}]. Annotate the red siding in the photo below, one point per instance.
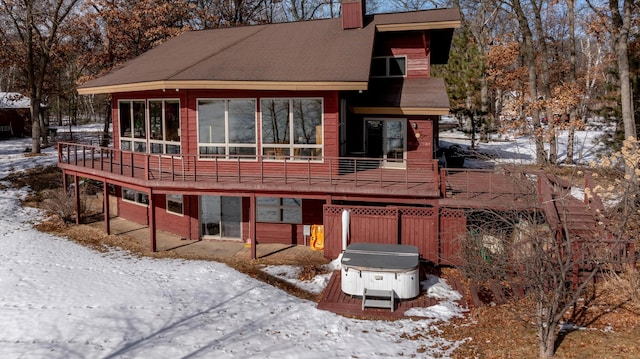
[
  {"x": 133, "y": 212},
  {"x": 352, "y": 14},
  {"x": 419, "y": 138},
  {"x": 453, "y": 226},
  {"x": 170, "y": 222},
  {"x": 413, "y": 45}
]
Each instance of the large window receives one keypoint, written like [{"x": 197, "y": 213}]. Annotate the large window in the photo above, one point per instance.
[
  {"x": 279, "y": 210},
  {"x": 155, "y": 131},
  {"x": 389, "y": 66},
  {"x": 134, "y": 196},
  {"x": 164, "y": 126},
  {"x": 133, "y": 134},
  {"x": 291, "y": 127},
  {"x": 227, "y": 127}
]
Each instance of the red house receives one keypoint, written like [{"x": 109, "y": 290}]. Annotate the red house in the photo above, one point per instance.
[{"x": 257, "y": 132}]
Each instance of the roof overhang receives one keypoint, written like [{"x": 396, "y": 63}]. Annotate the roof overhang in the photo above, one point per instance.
[
  {"x": 419, "y": 26},
  {"x": 226, "y": 85},
  {"x": 401, "y": 111}
]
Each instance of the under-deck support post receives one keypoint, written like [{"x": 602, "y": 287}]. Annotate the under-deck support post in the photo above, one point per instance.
[
  {"x": 252, "y": 225},
  {"x": 76, "y": 194},
  {"x": 105, "y": 199},
  {"x": 152, "y": 222}
]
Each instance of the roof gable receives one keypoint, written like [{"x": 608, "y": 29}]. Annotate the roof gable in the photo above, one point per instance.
[{"x": 306, "y": 55}]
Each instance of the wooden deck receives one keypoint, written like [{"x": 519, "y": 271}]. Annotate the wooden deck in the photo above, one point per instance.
[
  {"x": 349, "y": 176},
  {"x": 471, "y": 188},
  {"x": 336, "y": 301}
]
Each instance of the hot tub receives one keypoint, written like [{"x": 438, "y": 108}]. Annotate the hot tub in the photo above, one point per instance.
[{"x": 381, "y": 267}]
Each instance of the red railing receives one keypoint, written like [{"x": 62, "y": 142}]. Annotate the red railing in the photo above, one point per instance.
[{"x": 335, "y": 171}]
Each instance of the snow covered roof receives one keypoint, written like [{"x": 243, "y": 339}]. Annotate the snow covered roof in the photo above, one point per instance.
[{"x": 14, "y": 100}]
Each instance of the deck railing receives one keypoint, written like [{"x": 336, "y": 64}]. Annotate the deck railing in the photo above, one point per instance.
[{"x": 342, "y": 171}]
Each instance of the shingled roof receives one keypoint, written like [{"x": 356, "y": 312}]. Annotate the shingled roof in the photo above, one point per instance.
[{"x": 308, "y": 55}]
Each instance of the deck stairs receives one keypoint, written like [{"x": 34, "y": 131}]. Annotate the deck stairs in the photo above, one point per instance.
[{"x": 378, "y": 298}]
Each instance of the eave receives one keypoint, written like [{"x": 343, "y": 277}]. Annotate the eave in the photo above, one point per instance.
[
  {"x": 419, "y": 26},
  {"x": 403, "y": 111},
  {"x": 227, "y": 85}
]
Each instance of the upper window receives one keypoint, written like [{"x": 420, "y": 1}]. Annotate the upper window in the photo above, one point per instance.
[
  {"x": 227, "y": 127},
  {"x": 389, "y": 66},
  {"x": 291, "y": 127},
  {"x": 164, "y": 126},
  {"x": 155, "y": 131},
  {"x": 133, "y": 134}
]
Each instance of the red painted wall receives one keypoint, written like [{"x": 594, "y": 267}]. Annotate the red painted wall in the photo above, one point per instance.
[{"x": 414, "y": 45}]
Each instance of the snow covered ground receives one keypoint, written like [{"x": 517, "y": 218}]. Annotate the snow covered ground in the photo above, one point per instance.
[{"x": 61, "y": 300}]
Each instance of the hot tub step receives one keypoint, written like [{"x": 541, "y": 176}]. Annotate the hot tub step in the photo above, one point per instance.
[{"x": 377, "y": 298}]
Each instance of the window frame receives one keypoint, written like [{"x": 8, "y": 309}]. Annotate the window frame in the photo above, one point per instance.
[
  {"x": 279, "y": 207},
  {"x": 290, "y": 150},
  {"x": 167, "y": 207},
  {"x": 164, "y": 142},
  {"x": 388, "y": 59},
  {"x": 138, "y": 197},
  {"x": 134, "y": 143},
  {"x": 227, "y": 145}
]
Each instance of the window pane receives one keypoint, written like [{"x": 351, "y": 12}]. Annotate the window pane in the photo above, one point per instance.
[
  {"x": 292, "y": 215},
  {"x": 125, "y": 119},
  {"x": 143, "y": 198},
  {"x": 273, "y": 201},
  {"x": 173, "y": 149},
  {"x": 128, "y": 194},
  {"x": 379, "y": 66},
  {"x": 291, "y": 202},
  {"x": 211, "y": 121},
  {"x": 211, "y": 150},
  {"x": 172, "y": 120},
  {"x": 243, "y": 151},
  {"x": 397, "y": 66},
  {"x": 275, "y": 153},
  {"x": 139, "y": 147},
  {"x": 275, "y": 121},
  {"x": 125, "y": 145},
  {"x": 156, "y": 148},
  {"x": 174, "y": 203},
  {"x": 155, "y": 120},
  {"x": 242, "y": 121},
  {"x": 139, "y": 119},
  {"x": 307, "y": 121}
]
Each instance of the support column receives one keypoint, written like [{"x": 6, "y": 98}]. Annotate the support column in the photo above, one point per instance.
[
  {"x": 152, "y": 222},
  {"x": 252, "y": 225},
  {"x": 105, "y": 200},
  {"x": 76, "y": 194},
  {"x": 64, "y": 182}
]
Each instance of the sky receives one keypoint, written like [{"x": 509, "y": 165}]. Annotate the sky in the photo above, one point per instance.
[{"x": 61, "y": 300}]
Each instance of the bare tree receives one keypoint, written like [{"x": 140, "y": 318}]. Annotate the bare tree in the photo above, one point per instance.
[
  {"x": 543, "y": 253},
  {"x": 30, "y": 34}
]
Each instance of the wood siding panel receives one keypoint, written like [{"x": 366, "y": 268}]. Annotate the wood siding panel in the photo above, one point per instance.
[
  {"x": 133, "y": 212},
  {"x": 419, "y": 227},
  {"x": 413, "y": 45},
  {"x": 420, "y": 138},
  {"x": 170, "y": 222},
  {"x": 453, "y": 227}
]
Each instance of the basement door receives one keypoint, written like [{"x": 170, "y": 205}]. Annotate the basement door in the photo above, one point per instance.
[{"x": 221, "y": 217}]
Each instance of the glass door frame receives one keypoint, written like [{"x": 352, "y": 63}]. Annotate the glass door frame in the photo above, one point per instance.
[
  {"x": 386, "y": 161},
  {"x": 220, "y": 225}
]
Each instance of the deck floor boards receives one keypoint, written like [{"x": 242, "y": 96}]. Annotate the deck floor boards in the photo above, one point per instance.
[{"x": 336, "y": 301}]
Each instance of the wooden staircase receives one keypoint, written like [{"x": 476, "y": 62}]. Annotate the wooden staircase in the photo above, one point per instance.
[{"x": 377, "y": 298}]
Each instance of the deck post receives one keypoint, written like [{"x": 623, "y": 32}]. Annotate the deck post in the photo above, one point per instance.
[
  {"x": 76, "y": 194},
  {"x": 105, "y": 199},
  {"x": 252, "y": 225},
  {"x": 152, "y": 222}
]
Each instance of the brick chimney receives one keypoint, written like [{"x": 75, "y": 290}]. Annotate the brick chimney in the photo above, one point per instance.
[{"x": 353, "y": 14}]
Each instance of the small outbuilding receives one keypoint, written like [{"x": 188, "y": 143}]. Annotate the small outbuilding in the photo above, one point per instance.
[{"x": 15, "y": 118}]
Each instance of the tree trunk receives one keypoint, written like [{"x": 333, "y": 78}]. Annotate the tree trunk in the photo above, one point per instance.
[
  {"x": 621, "y": 24},
  {"x": 530, "y": 62}
]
